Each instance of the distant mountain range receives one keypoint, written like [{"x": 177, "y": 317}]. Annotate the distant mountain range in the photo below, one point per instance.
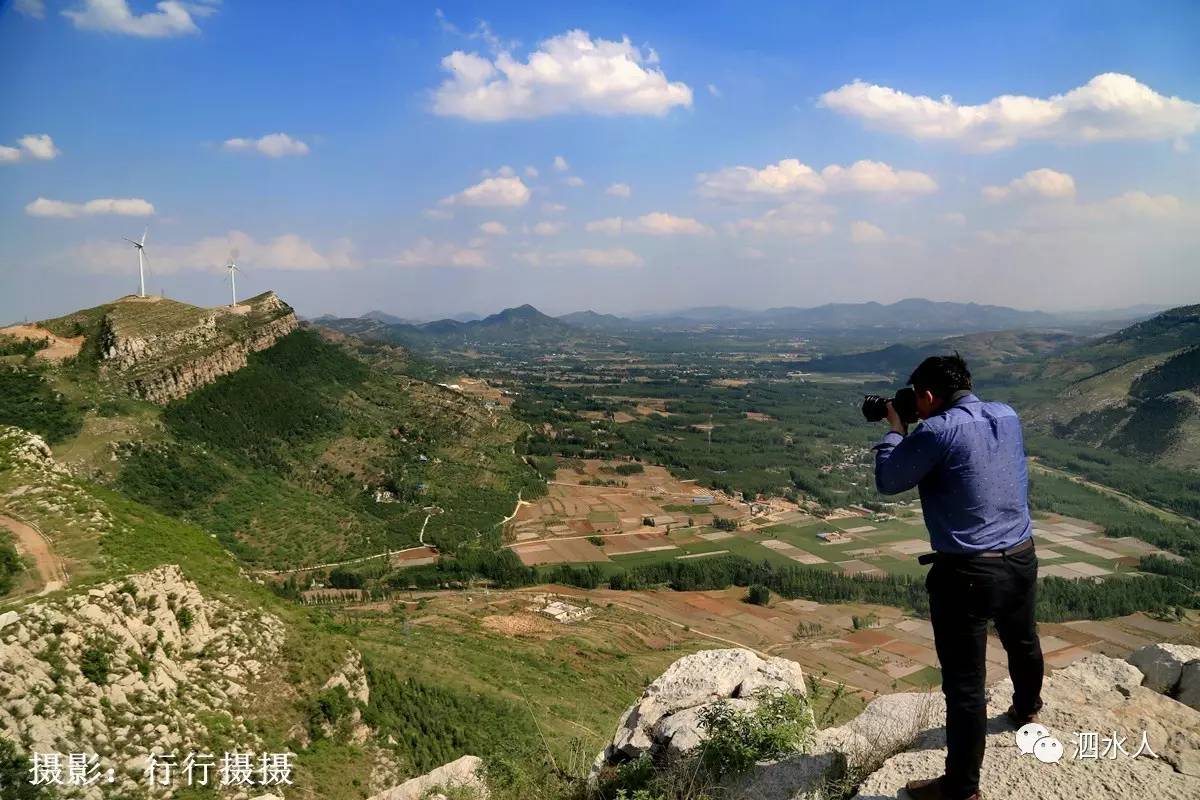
[{"x": 906, "y": 317}]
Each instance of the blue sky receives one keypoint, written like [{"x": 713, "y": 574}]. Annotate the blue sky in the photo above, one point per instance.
[{"x": 403, "y": 156}]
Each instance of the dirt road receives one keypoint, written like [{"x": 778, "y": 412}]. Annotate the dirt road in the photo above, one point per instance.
[
  {"x": 59, "y": 348},
  {"x": 51, "y": 573}
]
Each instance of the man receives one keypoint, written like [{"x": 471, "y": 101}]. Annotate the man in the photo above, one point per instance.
[{"x": 967, "y": 459}]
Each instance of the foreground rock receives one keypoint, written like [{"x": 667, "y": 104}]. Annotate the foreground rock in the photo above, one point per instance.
[
  {"x": 665, "y": 721},
  {"x": 463, "y": 776},
  {"x": 1163, "y": 666},
  {"x": 131, "y": 667},
  {"x": 901, "y": 737}
]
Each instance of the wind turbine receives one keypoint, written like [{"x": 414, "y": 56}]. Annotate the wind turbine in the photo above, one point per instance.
[
  {"x": 233, "y": 270},
  {"x": 140, "y": 247}
]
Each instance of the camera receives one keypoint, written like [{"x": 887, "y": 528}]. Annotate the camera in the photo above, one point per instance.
[{"x": 874, "y": 407}]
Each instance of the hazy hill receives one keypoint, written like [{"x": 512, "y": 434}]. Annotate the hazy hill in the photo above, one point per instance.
[
  {"x": 982, "y": 351},
  {"x": 1136, "y": 390},
  {"x": 591, "y": 320},
  {"x": 522, "y": 324}
]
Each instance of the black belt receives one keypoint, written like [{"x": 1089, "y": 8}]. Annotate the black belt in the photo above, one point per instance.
[{"x": 929, "y": 558}]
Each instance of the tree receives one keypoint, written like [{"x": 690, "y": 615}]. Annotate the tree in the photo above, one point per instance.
[{"x": 759, "y": 595}]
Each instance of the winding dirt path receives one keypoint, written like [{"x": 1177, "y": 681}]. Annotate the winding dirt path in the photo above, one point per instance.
[{"x": 30, "y": 542}]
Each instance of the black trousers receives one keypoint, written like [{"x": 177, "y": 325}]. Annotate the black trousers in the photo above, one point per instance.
[{"x": 964, "y": 594}]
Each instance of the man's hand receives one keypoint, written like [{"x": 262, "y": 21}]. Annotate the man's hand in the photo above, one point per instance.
[{"x": 894, "y": 420}]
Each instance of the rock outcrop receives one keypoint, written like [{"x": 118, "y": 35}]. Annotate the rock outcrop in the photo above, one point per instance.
[
  {"x": 161, "y": 350},
  {"x": 464, "y": 777},
  {"x": 665, "y": 721},
  {"x": 1097, "y": 708},
  {"x": 138, "y": 665},
  {"x": 1164, "y": 667}
]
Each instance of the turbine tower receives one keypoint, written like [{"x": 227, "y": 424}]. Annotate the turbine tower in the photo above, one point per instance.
[
  {"x": 233, "y": 270},
  {"x": 140, "y": 247}
]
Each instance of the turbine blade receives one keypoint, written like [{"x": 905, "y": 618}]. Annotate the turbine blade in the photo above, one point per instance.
[
  {"x": 131, "y": 241},
  {"x": 145, "y": 233}
]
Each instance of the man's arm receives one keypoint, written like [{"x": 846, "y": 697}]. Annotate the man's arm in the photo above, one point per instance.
[{"x": 902, "y": 461}]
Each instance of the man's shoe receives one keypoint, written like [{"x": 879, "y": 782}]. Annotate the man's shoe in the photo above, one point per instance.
[
  {"x": 1019, "y": 719},
  {"x": 931, "y": 789}
]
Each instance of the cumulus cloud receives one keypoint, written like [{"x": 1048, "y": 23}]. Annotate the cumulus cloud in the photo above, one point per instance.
[
  {"x": 498, "y": 192},
  {"x": 656, "y": 223},
  {"x": 173, "y": 17},
  {"x": 790, "y": 176},
  {"x": 36, "y": 146},
  {"x": 800, "y": 220},
  {"x": 494, "y": 228},
  {"x": 428, "y": 253},
  {"x": 610, "y": 258},
  {"x": 569, "y": 73},
  {"x": 286, "y": 252},
  {"x": 561, "y": 164},
  {"x": 531, "y": 171},
  {"x": 553, "y": 208},
  {"x": 862, "y": 232},
  {"x": 548, "y": 228},
  {"x": 955, "y": 218},
  {"x": 1111, "y": 106},
  {"x": 123, "y": 207},
  {"x": 619, "y": 190},
  {"x": 574, "y": 181},
  {"x": 273, "y": 145},
  {"x": 1045, "y": 183}
]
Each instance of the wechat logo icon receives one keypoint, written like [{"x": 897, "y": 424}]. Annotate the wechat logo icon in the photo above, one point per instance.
[{"x": 1034, "y": 739}]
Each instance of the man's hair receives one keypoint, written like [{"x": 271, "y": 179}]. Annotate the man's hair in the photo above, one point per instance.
[{"x": 941, "y": 375}]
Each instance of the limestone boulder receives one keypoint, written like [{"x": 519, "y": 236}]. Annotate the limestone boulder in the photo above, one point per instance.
[{"x": 1162, "y": 664}]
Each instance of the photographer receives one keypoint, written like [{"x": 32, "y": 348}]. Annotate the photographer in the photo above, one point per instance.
[{"x": 967, "y": 459}]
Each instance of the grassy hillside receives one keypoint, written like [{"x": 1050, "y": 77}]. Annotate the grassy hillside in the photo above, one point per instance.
[
  {"x": 1136, "y": 391},
  {"x": 444, "y": 678}
]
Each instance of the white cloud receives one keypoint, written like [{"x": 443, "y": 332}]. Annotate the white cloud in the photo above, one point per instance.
[
  {"x": 37, "y": 146},
  {"x": 790, "y": 176},
  {"x": 569, "y": 73},
  {"x": 862, "y": 232},
  {"x": 656, "y": 223},
  {"x": 553, "y": 208},
  {"x": 531, "y": 171},
  {"x": 1045, "y": 183},
  {"x": 611, "y": 258},
  {"x": 619, "y": 190},
  {"x": 560, "y": 164},
  {"x": 875, "y": 176},
  {"x": 124, "y": 207},
  {"x": 273, "y": 145},
  {"x": 574, "y": 181},
  {"x": 494, "y": 228},
  {"x": 173, "y": 17},
  {"x": 801, "y": 220},
  {"x": 713, "y": 90},
  {"x": 438, "y": 214},
  {"x": 955, "y": 218},
  {"x": 286, "y": 252},
  {"x": 428, "y": 253},
  {"x": 548, "y": 228},
  {"x": 508, "y": 192},
  {"x": 31, "y": 8},
  {"x": 1111, "y": 106}
]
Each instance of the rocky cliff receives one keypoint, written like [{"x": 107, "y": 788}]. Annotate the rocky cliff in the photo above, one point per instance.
[
  {"x": 144, "y": 664},
  {"x": 1097, "y": 709},
  {"x": 161, "y": 350}
]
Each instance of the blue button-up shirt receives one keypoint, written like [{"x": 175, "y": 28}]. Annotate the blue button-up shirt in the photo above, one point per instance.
[{"x": 968, "y": 464}]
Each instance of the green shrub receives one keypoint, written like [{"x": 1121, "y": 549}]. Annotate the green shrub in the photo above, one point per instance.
[
  {"x": 759, "y": 595},
  {"x": 95, "y": 663},
  {"x": 183, "y": 615},
  {"x": 781, "y": 723},
  {"x": 10, "y": 566}
]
